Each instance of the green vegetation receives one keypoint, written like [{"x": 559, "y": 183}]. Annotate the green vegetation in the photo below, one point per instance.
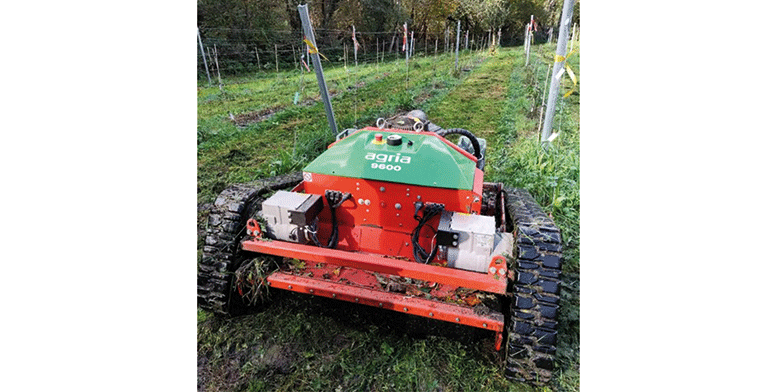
[
  {"x": 314, "y": 344},
  {"x": 296, "y": 134}
]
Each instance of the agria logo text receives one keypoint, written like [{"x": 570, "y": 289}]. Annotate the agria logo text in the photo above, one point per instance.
[{"x": 387, "y": 161}]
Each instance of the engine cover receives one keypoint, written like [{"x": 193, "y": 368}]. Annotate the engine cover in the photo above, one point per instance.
[
  {"x": 287, "y": 213},
  {"x": 423, "y": 159},
  {"x": 470, "y": 241}
]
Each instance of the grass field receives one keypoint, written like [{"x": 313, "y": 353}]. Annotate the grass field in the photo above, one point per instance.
[{"x": 252, "y": 129}]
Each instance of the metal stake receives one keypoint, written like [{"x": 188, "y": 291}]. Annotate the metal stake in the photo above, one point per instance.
[
  {"x": 558, "y": 70},
  {"x": 457, "y": 46},
  {"x": 319, "y": 72},
  {"x": 204, "y": 56}
]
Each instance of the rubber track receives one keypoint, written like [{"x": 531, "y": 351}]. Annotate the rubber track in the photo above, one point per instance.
[
  {"x": 535, "y": 291},
  {"x": 226, "y": 228}
]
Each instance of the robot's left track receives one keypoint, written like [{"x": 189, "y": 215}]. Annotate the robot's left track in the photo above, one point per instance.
[{"x": 226, "y": 228}]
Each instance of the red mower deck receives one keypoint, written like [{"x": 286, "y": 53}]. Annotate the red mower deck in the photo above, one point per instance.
[{"x": 425, "y": 299}]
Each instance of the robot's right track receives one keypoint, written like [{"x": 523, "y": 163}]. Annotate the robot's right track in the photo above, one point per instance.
[
  {"x": 535, "y": 295},
  {"x": 226, "y": 228}
]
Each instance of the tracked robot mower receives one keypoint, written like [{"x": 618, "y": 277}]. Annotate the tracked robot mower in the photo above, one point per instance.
[{"x": 395, "y": 216}]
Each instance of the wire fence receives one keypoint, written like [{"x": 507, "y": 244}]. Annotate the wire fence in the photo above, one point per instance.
[{"x": 240, "y": 51}]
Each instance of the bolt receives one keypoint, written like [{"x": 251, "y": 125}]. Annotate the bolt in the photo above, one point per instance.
[
  {"x": 334, "y": 295},
  {"x": 419, "y": 197},
  {"x": 398, "y": 206},
  {"x": 367, "y": 210},
  {"x": 360, "y": 201},
  {"x": 430, "y": 314},
  {"x": 457, "y": 319},
  {"x": 382, "y": 189},
  {"x": 455, "y": 236},
  {"x": 367, "y": 202},
  {"x": 485, "y": 325},
  {"x": 380, "y": 304},
  {"x": 312, "y": 291},
  {"x": 290, "y": 287},
  {"x": 492, "y": 270},
  {"x": 356, "y": 299},
  {"x": 454, "y": 243},
  {"x": 406, "y": 310}
]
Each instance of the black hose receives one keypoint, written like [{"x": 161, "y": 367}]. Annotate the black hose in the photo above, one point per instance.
[
  {"x": 335, "y": 200},
  {"x": 420, "y": 254},
  {"x": 466, "y": 133}
]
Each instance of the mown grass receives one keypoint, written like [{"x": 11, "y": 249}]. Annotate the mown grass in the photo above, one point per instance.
[
  {"x": 296, "y": 134},
  {"x": 313, "y": 344},
  {"x": 300, "y": 343}
]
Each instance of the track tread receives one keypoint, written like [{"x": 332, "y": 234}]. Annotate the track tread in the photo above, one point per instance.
[
  {"x": 226, "y": 227},
  {"x": 533, "y": 317}
]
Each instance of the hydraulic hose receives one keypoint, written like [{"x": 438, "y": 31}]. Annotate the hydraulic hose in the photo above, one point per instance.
[
  {"x": 335, "y": 200},
  {"x": 466, "y": 133},
  {"x": 420, "y": 254}
]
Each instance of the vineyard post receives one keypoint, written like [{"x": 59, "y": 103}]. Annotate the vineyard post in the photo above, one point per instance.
[
  {"x": 530, "y": 28},
  {"x": 446, "y": 39},
  {"x": 406, "y": 49},
  {"x": 406, "y": 54},
  {"x": 203, "y": 54},
  {"x": 457, "y": 46},
  {"x": 259, "y": 64},
  {"x": 558, "y": 70},
  {"x": 276, "y": 57},
  {"x": 319, "y": 72},
  {"x": 216, "y": 61},
  {"x": 355, "y": 47},
  {"x": 411, "y": 46}
]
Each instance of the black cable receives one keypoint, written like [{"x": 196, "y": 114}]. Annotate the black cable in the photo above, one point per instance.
[
  {"x": 335, "y": 200},
  {"x": 420, "y": 254}
]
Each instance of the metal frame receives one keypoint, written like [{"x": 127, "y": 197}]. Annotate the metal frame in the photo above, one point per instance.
[
  {"x": 352, "y": 276},
  {"x": 457, "y": 314},
  {"x": 491, "y": 283}
]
